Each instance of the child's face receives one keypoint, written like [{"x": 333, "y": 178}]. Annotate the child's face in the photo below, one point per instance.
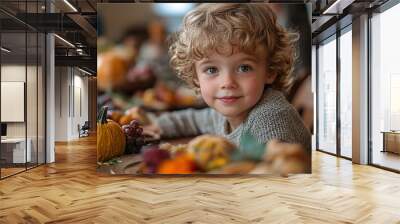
[{"x": 233, "y": 84}]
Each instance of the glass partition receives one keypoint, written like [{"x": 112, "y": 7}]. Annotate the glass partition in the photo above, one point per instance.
[
  {"x": 346, "y": 93},
  {"x": 385, "y": 89},
  {"x": 14, "y": 153},
  {"x": 327, "y": 96},
  {"x": 22, "y": 91}
]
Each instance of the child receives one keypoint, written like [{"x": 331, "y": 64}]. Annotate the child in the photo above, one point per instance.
[{"x": 240, "y": 60}]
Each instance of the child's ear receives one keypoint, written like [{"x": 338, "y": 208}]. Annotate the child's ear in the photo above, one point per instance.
[
  {"x": 196, "y": 82},
  {"x": 271, "y": 76}
]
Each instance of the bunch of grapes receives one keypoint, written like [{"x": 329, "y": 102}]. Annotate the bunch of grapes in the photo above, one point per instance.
[
  {"x": 134, "y": 137},
  {"x": 153, "y": 156}
]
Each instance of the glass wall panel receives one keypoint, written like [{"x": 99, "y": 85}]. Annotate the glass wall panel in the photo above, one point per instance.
[
  {"x": 14, "y": 153},
  {"x": 346, "y": 94},
  {"x": 41, "y": 98},
  {"x": 32, "y": 87},
  {"x": 22, "y": 88},
  {"x": 385, "y": 88},
  {"x": 31, "y": 97},
  {"x": 327, "y": 96}
]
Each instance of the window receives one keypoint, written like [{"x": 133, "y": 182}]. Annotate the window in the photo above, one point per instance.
[
  {"x": 385, "y": 88},
  {"x": 346, "y": 93},
  {"x": 22, "y": 75},
  {"x": 327, "y": 96}
]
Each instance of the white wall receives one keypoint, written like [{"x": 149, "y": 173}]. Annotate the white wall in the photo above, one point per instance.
[
  {"x": 17, "y": 73},
  {"x": 14, "y": 73},
  {"x": 61, "y": 103},
  {"x": 71, "y": 94},
  {"x": 33, "y": 127}
]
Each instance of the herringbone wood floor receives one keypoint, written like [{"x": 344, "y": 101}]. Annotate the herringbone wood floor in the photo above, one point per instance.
[{"x": 70, "y": 191}]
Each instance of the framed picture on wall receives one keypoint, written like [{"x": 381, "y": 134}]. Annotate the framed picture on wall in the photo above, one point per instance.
[
  {"x": 188, "y": 88},
  {"x": 12, "y": 101}
]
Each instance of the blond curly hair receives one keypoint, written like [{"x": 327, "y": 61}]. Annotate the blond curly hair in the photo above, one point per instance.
[{"x": 211, "y": 26}]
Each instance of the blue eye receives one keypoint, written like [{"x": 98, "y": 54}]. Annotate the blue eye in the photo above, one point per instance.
[
  {"x": 245, "y": 68},
  {"x": 211, "y": 70}
]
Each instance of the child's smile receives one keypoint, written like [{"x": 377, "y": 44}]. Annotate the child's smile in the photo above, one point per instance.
[{"x": 229, "y": 99}]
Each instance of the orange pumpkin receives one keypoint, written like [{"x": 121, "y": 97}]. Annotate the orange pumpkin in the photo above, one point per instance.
[
  {"x": 181, "y": 164},
  {"x": 164, "y": 94},
  {"x": 138, "y": 114},
  {"x": 110, "y": 138},
  {"x": 111, "y": 71},
  {"x": 150, "y": 100},
  {"x": 116, "y": 115},
  {"x": 125, "y": 119},
  {"x": 185, "y": 101}
]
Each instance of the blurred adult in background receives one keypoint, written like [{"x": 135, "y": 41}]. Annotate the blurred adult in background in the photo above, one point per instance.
[
  {"x": 300, "y": 95},
  {"x": 134, "y": 37},
  {"x": 153, "y": 54}
]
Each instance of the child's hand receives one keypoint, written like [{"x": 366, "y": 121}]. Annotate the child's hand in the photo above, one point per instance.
[
  {"x": 285, "y": 158},
  {"x": 152, "y": 130}
]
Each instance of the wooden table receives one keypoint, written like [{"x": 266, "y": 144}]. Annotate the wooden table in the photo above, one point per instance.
[
  {"x": 391, "y": 141},
  {"x": 14, "y": 150},
  {"x": 130, "y": 164}
]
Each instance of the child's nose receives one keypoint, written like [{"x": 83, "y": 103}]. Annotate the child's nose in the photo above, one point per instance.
[{"x": 228, "y": 81}]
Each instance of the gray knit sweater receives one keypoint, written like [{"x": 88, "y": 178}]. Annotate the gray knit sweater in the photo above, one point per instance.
[{"x": 273, "y": 117}]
